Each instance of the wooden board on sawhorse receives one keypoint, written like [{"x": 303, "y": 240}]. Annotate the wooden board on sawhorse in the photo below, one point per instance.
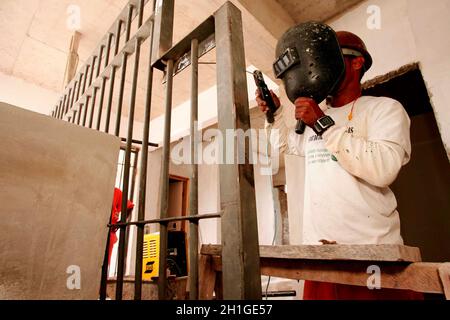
[{"x": 400, "y": 266}]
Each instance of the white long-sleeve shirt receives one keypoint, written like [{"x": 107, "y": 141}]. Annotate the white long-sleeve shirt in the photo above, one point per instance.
[{"x": 348, "y": 172}]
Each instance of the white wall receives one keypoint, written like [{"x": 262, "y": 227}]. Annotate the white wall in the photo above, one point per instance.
[
  {"x": 411, "y": 31},
  {"x": 26, "y": 95}
]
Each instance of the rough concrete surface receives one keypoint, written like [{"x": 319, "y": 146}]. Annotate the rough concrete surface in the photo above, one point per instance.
[{"x": 56, "y": 189}]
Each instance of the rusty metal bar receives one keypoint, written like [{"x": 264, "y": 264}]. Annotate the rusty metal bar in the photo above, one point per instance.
[
  {"x": 100, "y": 56},
  {"x": 241, "y": 265},
  {"x": 126, "y": 174},
  {"x": 61, "y": 115},
  {"x": 143, "y": 174},
  {"x": 193, "y": 196}
]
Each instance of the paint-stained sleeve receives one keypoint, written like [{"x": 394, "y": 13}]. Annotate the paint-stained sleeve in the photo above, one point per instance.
[{"x": 378, "y": 158}]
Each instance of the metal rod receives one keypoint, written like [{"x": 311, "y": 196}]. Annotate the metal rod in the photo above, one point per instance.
[
  {"x": 73, "y": 95},
  {"x": 121, "y": 92},
  {"x": 126, "y": 174},
  {"x": 171, "y": 219},
  {"x": 105, "y": 265},
  {"x": 140, "y": 13},
  {"x": 91, "y": 115},
  {"x": 74, "y": 115},
  {"x": 85, "y": 78},
  {"x": 68, "y": 101},
  {"x": 91, "y": 76},
  {"x": 108, "y": 49},
  {"x": 86, "y": 107},
  {"x": 99, "y": 64},
  {"x": 80, "y": 109},
  {"x": 58, "y": 109},
  {"x": 79, "y": 86},
  {"x": 100, "y": 104},
  {"x": 164, "y": 186},
  {"x": 112, "y": 79},
  {"x": 193, "y": 196},
  {"x": 135, "y": 141},
  {"x": 63, "y": 107},
  {"x": 124, "y": 71},
  {"x": 143, "y": 173}
]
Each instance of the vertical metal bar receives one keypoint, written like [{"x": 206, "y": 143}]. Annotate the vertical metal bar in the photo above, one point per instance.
[
  {"x": 126, "y": 174},
  {"x": 74, "y": 115},
  {"x": 141, "y": 6},
  {"x": 91, "y": 76},
  {"x": 121, "y": 92},
  {"x": 240, "y": 249},
  {"x": 164, "y": 186},
  {"x": 112, "y": 79},
  {"x": 193, "y": 196},
  {"x": 58, "y": 110},
  {"x": 143, "y": 174},
  {"x": 99, "y": 64},
  {"x": 108, "y": 49},
  {"x": 68, "y": 101},
  {"x": 94, "y": 95},
  {"x": 73, "y": 95},
  {"x": 79, "y": 113},
  {"x": 86, "y": 107},
  {"x": 91, "y": 115},
  {"x": 79, "y": 86},
  {"x": 85, "y": 78},
  {"x": 61, "y": 115},
  {"x": 124, "y": 71},
  {"x": 100, "y": 104}
]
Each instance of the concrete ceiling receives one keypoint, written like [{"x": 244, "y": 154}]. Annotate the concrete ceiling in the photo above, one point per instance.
[{"x": 35, "y": 38}]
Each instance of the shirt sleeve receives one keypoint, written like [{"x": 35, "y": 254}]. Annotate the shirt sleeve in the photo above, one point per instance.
[
  {"x": 282, "y": 137},
  {"x": 378, "y": 158}
]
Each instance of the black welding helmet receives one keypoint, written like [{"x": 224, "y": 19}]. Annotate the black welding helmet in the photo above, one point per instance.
[{"x": 309, "y": 61}]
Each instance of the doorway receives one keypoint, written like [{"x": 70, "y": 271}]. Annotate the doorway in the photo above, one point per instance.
[{"x": 423, "y": 186}]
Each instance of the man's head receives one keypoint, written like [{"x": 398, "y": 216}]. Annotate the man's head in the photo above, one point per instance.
[{"x": 357, "y": 59}]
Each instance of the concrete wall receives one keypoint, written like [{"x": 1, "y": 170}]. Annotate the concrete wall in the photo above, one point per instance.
[
  {"x": 411, "y": 31},
  {"x": 56, "y": 189}
]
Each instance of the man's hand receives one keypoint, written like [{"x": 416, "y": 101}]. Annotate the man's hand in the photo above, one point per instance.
[
  {"x": 262, "y": 104},
  {"x": 308, "y": 110}
]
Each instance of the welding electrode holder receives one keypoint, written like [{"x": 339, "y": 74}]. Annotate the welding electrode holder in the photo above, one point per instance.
[{"x": 265, "y": 95}]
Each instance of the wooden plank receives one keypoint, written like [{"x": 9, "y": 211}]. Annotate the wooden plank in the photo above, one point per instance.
[
  {"x": 420, "y": 276},
  {"x": 207, "y": 278},
  {"x": 385, "y": 253},
  {"x": 444, "y": 274}
]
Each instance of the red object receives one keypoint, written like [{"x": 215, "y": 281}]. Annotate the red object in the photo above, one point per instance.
[
  {"x": 352, "y": 41},
  {"x": 330, "y": 291},
  {"x": 115, "y": 214}
]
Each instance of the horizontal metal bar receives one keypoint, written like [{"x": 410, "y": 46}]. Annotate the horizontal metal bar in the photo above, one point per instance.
[
  {"x": 203, "y": 31},
  {"x": 150, "y": 144},
  {"x": 171, "y": 219},
  {"x": 279, "y": 294},
  {"x": 129, "y": 48}
]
